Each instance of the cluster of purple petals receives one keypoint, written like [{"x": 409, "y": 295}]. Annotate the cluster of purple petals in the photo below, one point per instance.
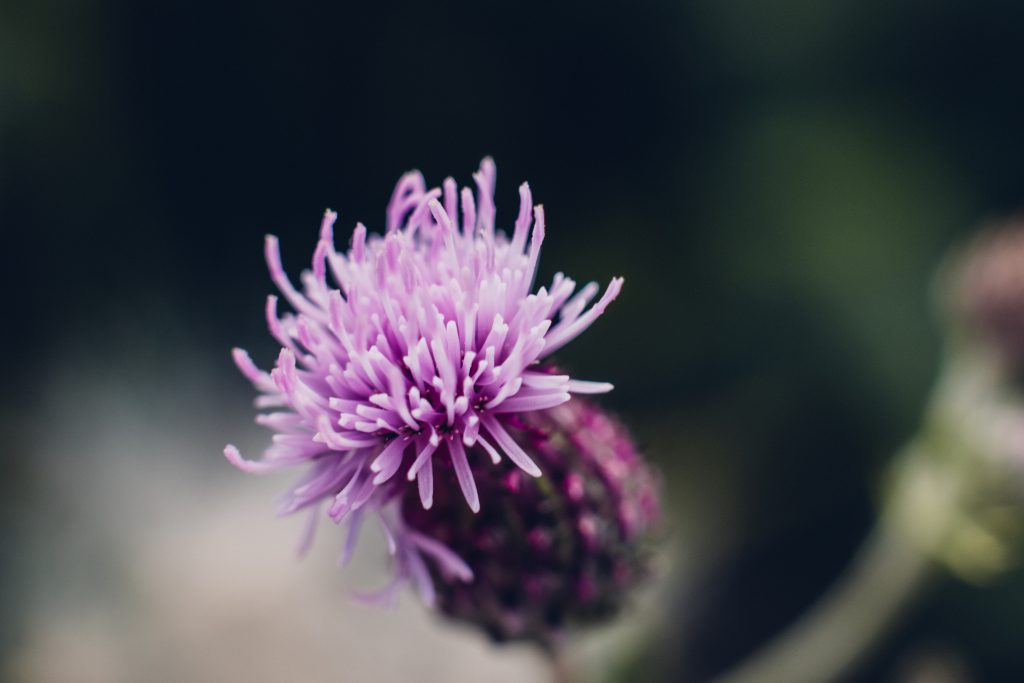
[
  {"x": 411, "y": 350},
  {"x": 554, "y": 552}
]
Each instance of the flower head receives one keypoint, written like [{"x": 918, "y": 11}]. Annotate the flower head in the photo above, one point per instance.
[{"x": 413, "y": 349}]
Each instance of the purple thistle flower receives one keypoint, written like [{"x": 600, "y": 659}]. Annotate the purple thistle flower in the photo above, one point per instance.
[{"x": 408, "y": 350}]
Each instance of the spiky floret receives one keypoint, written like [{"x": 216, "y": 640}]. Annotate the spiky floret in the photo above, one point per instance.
[{"x": 412, "y": 346}]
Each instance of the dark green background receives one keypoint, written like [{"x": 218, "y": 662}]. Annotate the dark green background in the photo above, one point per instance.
[{"x": 775, "y": 180}]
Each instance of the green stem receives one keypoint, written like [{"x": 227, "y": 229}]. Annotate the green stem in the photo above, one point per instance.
[
  {"x": 933, "y": 481},
  {"x": 838, "y": 631}
]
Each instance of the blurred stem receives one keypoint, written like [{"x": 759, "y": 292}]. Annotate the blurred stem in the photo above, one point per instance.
[
  {"x": 927, "y": 518},
  {"x": 838, "y": 631},
  {"x": 931, "y": 481}
]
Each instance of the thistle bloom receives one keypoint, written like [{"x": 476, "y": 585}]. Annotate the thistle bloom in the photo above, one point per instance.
[{"x": 409, "y": 349}]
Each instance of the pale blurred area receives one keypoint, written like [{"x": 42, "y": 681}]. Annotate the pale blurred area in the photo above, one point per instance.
[{"x": 148, "y": 558}]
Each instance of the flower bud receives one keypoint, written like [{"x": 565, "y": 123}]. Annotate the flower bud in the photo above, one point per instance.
[
  {"x": 549, "y": 552},
  {"x": 989, "y": 291},
  {"x": 958, "y": 489}
]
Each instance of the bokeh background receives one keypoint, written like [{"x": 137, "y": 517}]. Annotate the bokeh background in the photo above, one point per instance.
[{"x": 776, "y": 180}]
